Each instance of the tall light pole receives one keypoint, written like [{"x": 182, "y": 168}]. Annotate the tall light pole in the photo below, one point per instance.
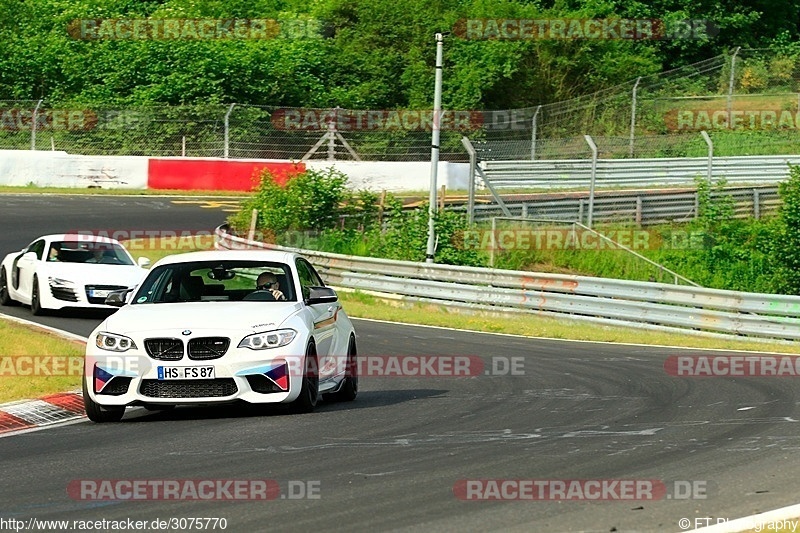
[{"x": 435, "y": 136}]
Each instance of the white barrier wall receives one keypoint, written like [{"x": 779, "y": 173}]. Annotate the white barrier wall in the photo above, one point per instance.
[
  {"x": 60, "y": 169},
  {"x": 396, "y": 176}
]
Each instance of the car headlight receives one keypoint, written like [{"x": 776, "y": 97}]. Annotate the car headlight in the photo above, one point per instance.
[
  {"x": 114, "y": 343},
  {"x": 60, "y": 282},
  {"x": 269, "y": 339}
]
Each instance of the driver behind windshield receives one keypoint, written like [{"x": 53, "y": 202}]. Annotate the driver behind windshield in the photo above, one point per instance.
[{"x": 267, "y": 281}]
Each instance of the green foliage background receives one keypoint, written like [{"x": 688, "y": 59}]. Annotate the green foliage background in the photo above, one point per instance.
[{"x": 374, "y": 53}]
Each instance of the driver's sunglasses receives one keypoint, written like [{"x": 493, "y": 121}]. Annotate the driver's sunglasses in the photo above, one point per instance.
[{"x": 265, "y": 285}]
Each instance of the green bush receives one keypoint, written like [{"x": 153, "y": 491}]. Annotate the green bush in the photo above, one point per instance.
[{"x": 310, "y": 201}]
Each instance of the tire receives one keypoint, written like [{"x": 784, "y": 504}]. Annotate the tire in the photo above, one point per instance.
[
  {"x": 349, "y": 389},
  {"x": 5, "y": 297},
  {"x": 99, "y": 414},
  {"x": 309, "y": 391},
  {"x": 36, "y": 304}
]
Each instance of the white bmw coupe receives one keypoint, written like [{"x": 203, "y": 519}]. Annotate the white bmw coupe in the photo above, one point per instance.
[
  {"x": 72, "y": 270},
  {"x": 220, "y": 326}
]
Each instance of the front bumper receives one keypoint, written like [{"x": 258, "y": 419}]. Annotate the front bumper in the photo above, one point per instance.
[{"x": 254, "y": 376}]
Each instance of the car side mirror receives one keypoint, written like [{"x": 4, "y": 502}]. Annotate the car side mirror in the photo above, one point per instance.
[
  {"x": 321, "y": 295},
  {"x": 30, "y": 256},
  {"x": 116, "y": 298},
  {"x": 143, "y": 262}
]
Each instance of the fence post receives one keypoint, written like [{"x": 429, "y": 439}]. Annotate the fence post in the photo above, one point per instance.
[
  {"x": 730, "y": 88},
  {"x": 593, "y": 146},
  {"x": 473, "y": 162},
  {"x": 710, "y": 144},
  {"x": 533, "y": 133},
  {"x": 633, "y": 116},
  {"x": 331, "y": 141},
  {"x": 33, "y": 125},
  {"x": 227, "y": 131}
]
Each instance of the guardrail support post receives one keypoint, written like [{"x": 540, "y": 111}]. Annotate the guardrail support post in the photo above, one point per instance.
[
  {"x": 639, "y": 211},
  {"x": 756, "y": 204},
  {"x": 593, "y": 146}
]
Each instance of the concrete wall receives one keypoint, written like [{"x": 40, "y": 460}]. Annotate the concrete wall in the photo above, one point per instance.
[
  {"x": 60, "y": 169},
  {"x": 397, "y": 176}
]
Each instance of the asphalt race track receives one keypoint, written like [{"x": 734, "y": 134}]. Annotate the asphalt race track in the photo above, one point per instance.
[{"x": 390, "y": 460}]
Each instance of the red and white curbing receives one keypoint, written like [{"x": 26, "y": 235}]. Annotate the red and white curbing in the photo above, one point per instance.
[
  {"x": 46, "y": 411},
  {"x": 25, "y": 415}
]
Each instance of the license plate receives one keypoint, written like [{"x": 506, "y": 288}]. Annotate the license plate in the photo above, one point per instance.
[
  {"x": 99, "y": 293},
  {"x": 185, "y": 372}
]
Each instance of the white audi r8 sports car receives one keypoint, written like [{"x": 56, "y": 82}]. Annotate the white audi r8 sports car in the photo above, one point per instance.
[
  {"x": 221, "y": 326},
  {"x": 72, "y": 270}
]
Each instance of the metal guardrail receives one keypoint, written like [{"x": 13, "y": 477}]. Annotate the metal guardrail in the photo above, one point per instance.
[
  {"x": 621, "y": 302},
  {"x": 636, "y": 172},
  {"x": 645, "y": 208}
]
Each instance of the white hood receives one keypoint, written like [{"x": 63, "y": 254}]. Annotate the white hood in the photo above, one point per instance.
[
  {"x": 247, "y": 317},
  {"x": 94, "y": 274}
]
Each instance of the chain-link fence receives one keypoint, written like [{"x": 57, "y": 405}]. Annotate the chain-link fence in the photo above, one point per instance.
[
  {"x": 235, "y": 131},
  {"x": 748, "y": 100}
]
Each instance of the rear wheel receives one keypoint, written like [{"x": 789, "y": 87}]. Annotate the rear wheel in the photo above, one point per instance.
[
  {"x": 5, "y": 297},
  {"x": 309, "y": 391},
  {"x": 96, "y": 412},
  {"x": 36, "y": 304},
  {"x": 349, "y": 389}
]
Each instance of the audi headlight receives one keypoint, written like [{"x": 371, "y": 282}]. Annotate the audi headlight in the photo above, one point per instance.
[
  {"x": 269, "y": 339},
  {"x": 60, "y": 282},
  {"x": 114, "y": 343}
]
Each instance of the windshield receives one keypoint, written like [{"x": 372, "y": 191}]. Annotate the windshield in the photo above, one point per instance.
[
  {"x": 105, "y": 253},
  {"x": 210, "y": 281}
]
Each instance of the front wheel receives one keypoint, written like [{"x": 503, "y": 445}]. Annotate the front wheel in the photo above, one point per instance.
[
  {"x": 96, "y": 412},
  {"x": 309, "y": 391},
  {"x": 36, "y": 303},
  {"x": 349, "y": 389},
  {"x": 5, "y": 297}
]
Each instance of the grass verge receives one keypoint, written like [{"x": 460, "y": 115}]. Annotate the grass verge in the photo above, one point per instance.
[{"x": 35, "y": 363}]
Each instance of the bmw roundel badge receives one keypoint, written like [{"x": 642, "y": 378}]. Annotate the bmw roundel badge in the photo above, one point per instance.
[{"x": 186, "y": 332}]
